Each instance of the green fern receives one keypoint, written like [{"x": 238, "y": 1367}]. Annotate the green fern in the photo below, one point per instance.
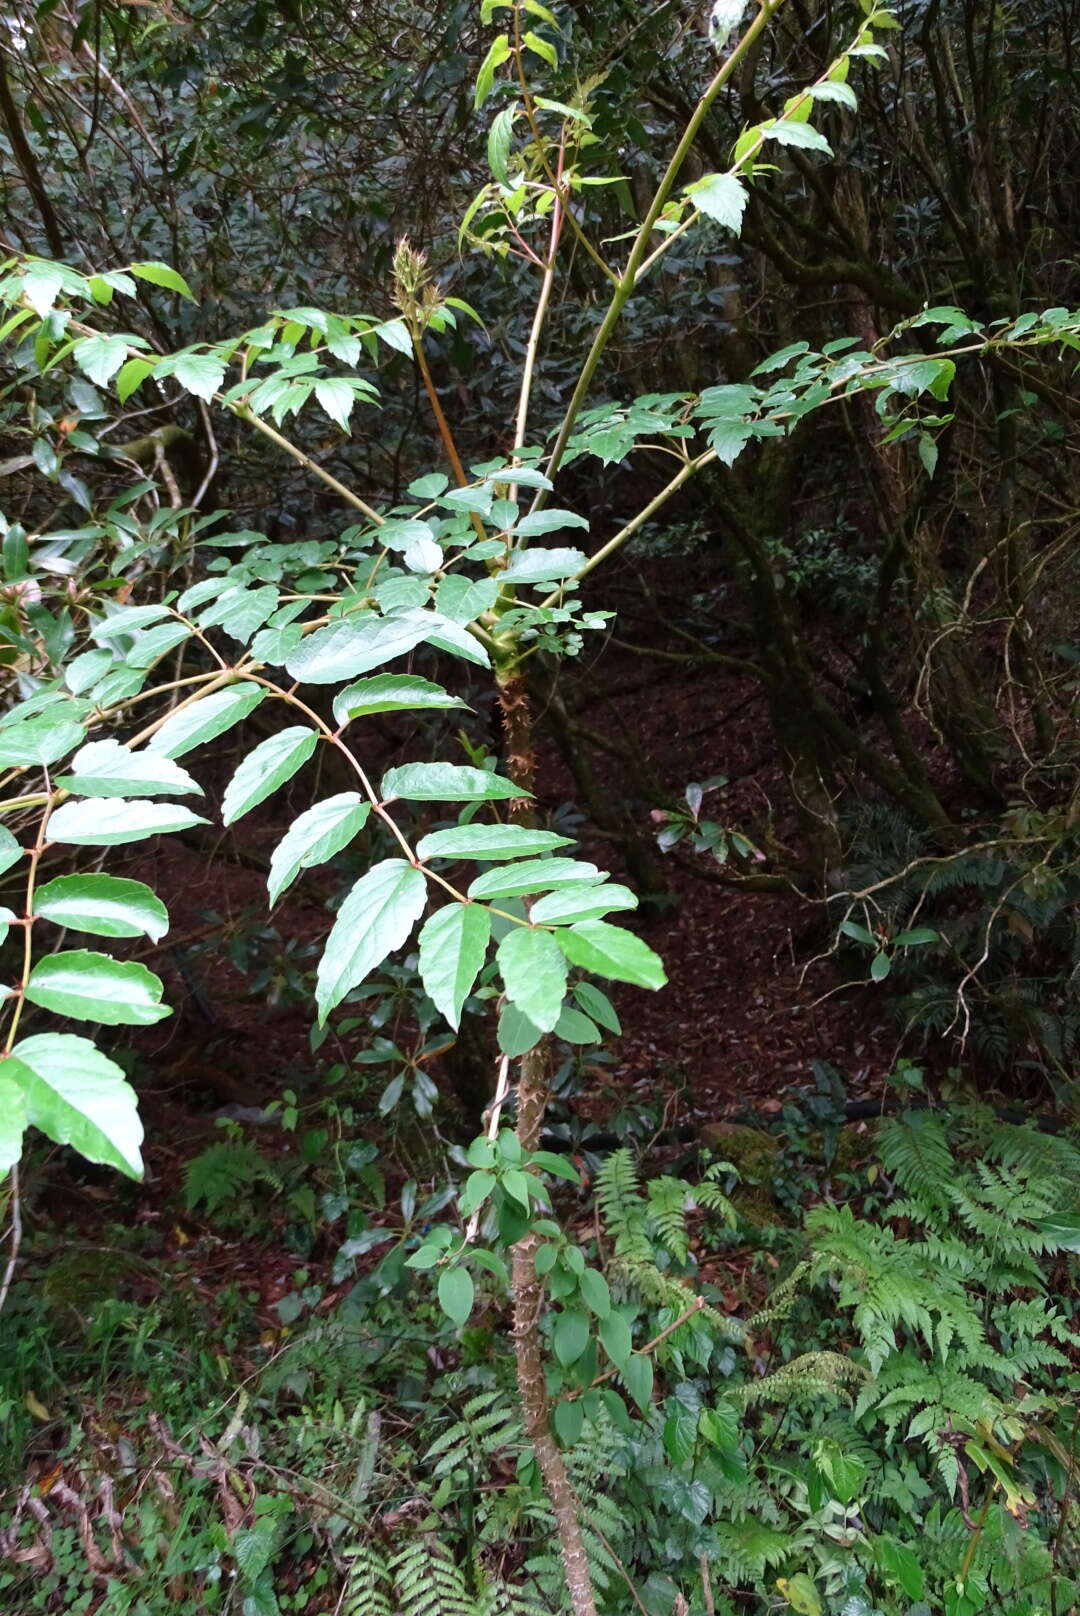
[
  {"x": 974, "y": 1229},
  {"x": 592, "y": 1463},
  {"x": 487, "y": 1426},
  {"x": 915, "y": 1152},
  {"x": 499, "y": 1598},
  {"x": 427, "y": 1581},
  {"x": 623, "y": 1209},
  {"x": 224, "y": 1172},
  {"x": 368, "y": 1586},
  {"x": 650, "y": 1227},
  {"x": 813, "y": 1374}
]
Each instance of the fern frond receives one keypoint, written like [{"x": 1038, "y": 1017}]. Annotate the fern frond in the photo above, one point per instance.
[
  {"x": 814, "y": 1374},
  {"x": 668, "y": 1199},
  {"x": 499, "y": 1598},
  {"x": 622, "y": 1207},
  {"x": 915, "y": 1152},
  {"x": 487, "y": 1425},
  {"x": 427, "y": 1581},
  {"x": 223, "y": 1172},
  {"x": 368, "y": 1588}
]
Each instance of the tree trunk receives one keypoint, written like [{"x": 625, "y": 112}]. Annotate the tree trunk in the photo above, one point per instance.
[{"x": 528, "y": 1290}]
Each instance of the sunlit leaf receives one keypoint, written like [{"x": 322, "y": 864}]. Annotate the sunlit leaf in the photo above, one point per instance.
[
  {"x": 453, "y": 946},
  {"x": 95, "y": 987},
  {"x": 447, "y": 782},
  {"x": 377, "y": 916},
  {"x": 108, "y": 769},
  {"x": 105, "y": 905},
  {"x": 318, "y": 833},
  {"x": 273, "y": 761},
  {"x": 78, "y": 1097},
  {"x": 609, "y": 951}
]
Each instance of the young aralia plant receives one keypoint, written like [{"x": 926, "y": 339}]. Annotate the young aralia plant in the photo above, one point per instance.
[{"x": 477, "y": 564}]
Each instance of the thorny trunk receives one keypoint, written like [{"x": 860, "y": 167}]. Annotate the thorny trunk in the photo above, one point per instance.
[{"x": 528, "y": 1290}]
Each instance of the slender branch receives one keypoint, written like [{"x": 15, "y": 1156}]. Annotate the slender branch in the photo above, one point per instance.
[
  {"x": 28, "y": 915},
  {"x": 24, "y": 156},
  {"x": 528, "y": 1288},
  {"x": 306, "y": 461},
  {"x": 16, "y": 1237},
  {"x": 554, "y": 178},
  {"x": 639, "y": 249},
  {"x": 618, "y": 539}
]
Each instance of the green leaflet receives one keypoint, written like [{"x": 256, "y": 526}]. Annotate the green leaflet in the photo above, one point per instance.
[
  {"x": 273, "y": 761},
  {"x": 463, "y": 600},
  {"x": 576, "y": 1028},
  {"x": 616, "y": 1339},
  {"x": 273, "y": 645},
  {"x": 456, "y": 1293},
  {"x": 240, "y": 611},
  {"x": 488, "y": 842},
  {"x": 497, "y": 53},
  {"x": 571, "y": 1335},
  {"x": 100, "y": 358},
  {"x": 597, "y": 1006},
  {"x": 453, "y": 947},
  {"x": 128, "y": 620},
  {"x": 448, "y": 636},
  {"x": 316, "y": 836},
  {"x": 423, "y": 556},
  {"x": 86, "y": 669},
  {"x": 388, "y": 693},
  {"x": 12, "y": 1122},
  {"x": 549, "y": 520},
  {"x": 41, "y": 285},
  {"x": 130, "y": 377},
  {"x": 205, "y": 719},
  {"x": 543, "y": 566},
  {"x": 582, "y": 902},
  {"x": 538, "y": 875},
  {"x": 401, "y": 532},
  {"x": 722, "y": 197},
  {"x": 10, "y": 850},
  {"x": 198, "y": 373},
  {"x": 159, "y": 274},
  {"x": 789, "y": 133},
  {"x": 357, "y": 643},
  {"x": 446, "y": 782},
  {"x": 78, "y": 1097},
  {"x": 594, "y": 1289},
  {"x": 534, "y": 972},
  {"x": 105, "y": 905},
  {"x": 156, "y": 643},
  {"x": 608, "y": 951},
  {"x": 637, "y": 1377},
  {"x": 612, "y": 952},
  {"x": 95, "y": 987},
  {"x": 517, "y": 1035},
  {"x": 109, "y": 822},
  {"x": 376, "y": 917},
  {"x": 108, "y": 769},
  {"x": 40, "y": 740}
]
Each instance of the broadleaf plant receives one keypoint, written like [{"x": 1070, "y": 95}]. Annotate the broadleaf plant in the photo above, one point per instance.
[{"x": 472, "y": 566}]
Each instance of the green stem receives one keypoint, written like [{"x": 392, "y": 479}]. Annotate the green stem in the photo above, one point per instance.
[{"x": 629, "y": 278}]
